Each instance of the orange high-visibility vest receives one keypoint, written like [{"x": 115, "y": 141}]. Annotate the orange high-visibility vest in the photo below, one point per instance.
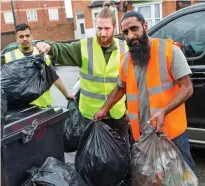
[{"x": 160, "y": 86}]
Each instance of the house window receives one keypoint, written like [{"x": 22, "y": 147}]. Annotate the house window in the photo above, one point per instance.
[
  {"x": 8, "y": 17},
  {"x": 53, "y": 14},
  {"x": 151, "y": 12},
  {"x": 183, "y": 4},
  {"x": 31, "y": 15},
  {"x": 80, "y": 16},
  {"x": 82, "y": 28}
]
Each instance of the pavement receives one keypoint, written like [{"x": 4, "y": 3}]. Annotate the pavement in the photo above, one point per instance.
[{"x": 69, "y": 76}]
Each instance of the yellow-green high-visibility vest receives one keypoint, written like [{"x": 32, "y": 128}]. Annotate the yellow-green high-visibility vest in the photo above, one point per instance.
[
  {"x": 98, "y": 79},
  {"x": 44, "y": 100}
]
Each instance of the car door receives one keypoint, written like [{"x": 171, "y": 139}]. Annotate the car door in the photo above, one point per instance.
[{"x": 189, "y": 31}]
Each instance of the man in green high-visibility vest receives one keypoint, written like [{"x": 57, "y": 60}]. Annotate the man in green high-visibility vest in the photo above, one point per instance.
[
  {"x": 98, "y": 59},
  {"x": 24, "y": 38}
]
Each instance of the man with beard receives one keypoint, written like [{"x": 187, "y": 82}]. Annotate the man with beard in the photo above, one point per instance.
[
  {"x": 24, "y": 38},
  {"x": 99, "y": 59},
  {"x": 154, "y": 74}
]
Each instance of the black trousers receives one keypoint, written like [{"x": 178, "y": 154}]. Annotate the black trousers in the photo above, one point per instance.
[{"x": 122, "y": 128}]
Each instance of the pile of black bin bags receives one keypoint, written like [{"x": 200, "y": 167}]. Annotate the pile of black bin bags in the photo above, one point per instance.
[
  {"x": 54, "y": 173},
  {"x": 24, "y": 80},
  {"x": 102, "y": 159}
]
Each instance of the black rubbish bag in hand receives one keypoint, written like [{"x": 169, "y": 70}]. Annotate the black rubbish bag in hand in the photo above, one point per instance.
[
  {"x": 156, "y": 161},
  {"x": 54, "y": 173},
  {"x": 102, "y": 157},
  {"x": 24, "y": 80},
  {"x": 73, "y": 128}
]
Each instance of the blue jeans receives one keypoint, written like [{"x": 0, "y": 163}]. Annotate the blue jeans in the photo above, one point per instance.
[{"x": 182, "y": 144}]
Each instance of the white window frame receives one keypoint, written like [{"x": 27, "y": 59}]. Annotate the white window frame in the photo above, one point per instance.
[
  {"x": 97, "y": 10},
  {"x": 152, "y": 5},
  {"x": 78, "y": 28},
  {"x": 29, "y": 17},
  {"x": 8, "y": 17},
  {"x": 53, "y": 14}
]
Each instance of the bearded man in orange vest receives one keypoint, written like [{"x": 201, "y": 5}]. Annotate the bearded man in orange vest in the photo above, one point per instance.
[{"x": 154, "y": 75}]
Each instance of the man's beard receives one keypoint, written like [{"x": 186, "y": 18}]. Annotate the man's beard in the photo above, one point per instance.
[
  {"x": 108, "y": 42},
  {"x": 26, "y": 47},
  {"x": 140, "y": 51}
]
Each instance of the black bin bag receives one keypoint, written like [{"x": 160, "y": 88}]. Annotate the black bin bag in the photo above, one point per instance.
[
  {"x": 157, "y": 162},
  {"x": 74, "y": 127},
  {"x": 24, "y": 80},
  {"x": 54, "y": 173},
  {"x": 102, "y": 157},
  {"x": 3, "y": 108}
]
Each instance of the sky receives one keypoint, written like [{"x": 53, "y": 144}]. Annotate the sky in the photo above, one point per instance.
[{"x": 68, "y": 9}]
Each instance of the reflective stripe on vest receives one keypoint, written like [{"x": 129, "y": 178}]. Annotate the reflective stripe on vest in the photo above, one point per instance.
[
  {"x": 163, "y": 73},
  {"x": 98, "y": 81},
  {"x": 175, "y": 121},
  {"x": 131, "y": 97},
  {"x": 93, "y": 95},
  {"x": 13, "y": 55},
  {"x": 133, "y": 116}
]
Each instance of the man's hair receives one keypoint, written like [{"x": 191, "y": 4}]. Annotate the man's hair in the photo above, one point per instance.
[
  {"x": 107, "y": 12},
  {"x": 22, "y": 27},
  {"x": 133, "y": 14}
]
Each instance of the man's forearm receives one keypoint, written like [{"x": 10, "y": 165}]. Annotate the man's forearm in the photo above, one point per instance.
[
  {"x": 65, "y": 54},
  {"x": 115, "y": 96},
  {"x": 183, "y": 94},
  {"x": 59, "y": 84}
]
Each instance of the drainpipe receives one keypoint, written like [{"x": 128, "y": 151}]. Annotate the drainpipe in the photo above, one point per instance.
[{"x": 13, "y": 12}]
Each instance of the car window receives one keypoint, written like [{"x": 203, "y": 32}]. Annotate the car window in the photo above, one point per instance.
[{"x": 189, "y": 30}]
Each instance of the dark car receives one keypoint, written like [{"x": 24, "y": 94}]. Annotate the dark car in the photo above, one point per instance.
[{"x": 186, "y": 26}]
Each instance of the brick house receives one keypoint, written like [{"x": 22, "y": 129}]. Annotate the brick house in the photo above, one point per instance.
[
  {"x": 85, "y": 12},
  {"x": 46, "y": 18}
]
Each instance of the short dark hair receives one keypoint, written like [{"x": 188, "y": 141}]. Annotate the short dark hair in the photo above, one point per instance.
[
  {"x": 22, "y": 27},
  {"x": 133, "y": 14}
]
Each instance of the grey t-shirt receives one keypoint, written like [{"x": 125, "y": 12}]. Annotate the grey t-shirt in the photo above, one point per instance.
[{"x": 179, "y": 69}]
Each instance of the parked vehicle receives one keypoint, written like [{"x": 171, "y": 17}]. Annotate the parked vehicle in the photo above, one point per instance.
[{"x": 186, "y": 26}]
